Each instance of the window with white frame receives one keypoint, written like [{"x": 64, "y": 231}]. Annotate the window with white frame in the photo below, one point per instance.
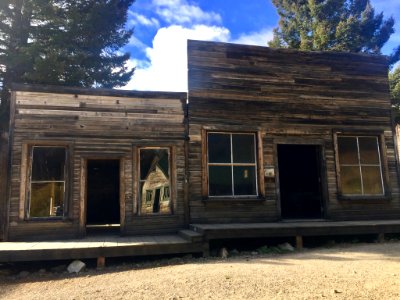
[
  {"x": 360, "y": 165},
  {"x": 232, "y": 164},
  {"x": 47, "y": 182}
]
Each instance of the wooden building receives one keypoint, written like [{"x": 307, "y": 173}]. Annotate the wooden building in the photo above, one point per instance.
[
  {"x": 283, "y": 134},
  {"x": 81, "y": 158},
  {"x": 265, "y": 135}
]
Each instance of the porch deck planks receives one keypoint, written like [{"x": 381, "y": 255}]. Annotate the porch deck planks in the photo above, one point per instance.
[
  {"x": 301, "y": 228},
  {"x": 98, "y": 246}
]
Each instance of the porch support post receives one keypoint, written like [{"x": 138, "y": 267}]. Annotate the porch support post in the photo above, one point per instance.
[{"x": 299, "y": 242}]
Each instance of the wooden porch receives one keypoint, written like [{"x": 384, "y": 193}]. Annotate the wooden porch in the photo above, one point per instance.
[
  {"x": 297, "y": 229},
  {"x": 194, "y": 240},
  {"x": 102, "y": 246}
]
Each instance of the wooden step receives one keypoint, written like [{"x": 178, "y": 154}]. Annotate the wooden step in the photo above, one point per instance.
[{"x": 191, "y": 235}]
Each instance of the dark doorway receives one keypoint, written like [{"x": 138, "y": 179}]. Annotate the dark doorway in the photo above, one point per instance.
[
  {"x": 300, "y": 181},
  {"x": 156, "y": 206},
  {"x": 102, "y": 192}
]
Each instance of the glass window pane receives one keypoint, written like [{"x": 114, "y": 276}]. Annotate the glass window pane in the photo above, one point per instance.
[
  {"x": 351, "y": 180},
  {"x": 219, "y": 148},
  {"x": 152, "y": 158},
  {"x": 48, "y": 163},
  {"x": 245, "y": 180},
  {"x": 47, "y": 199},
  {"x": 220, "y": 180},
  {"x": 243, "y": 148},
  {"x": 368, "y": 150},
  {"x": 154, "y": 173},
  {"x": 372, "y": 181},
  {"x": 348, "y": 152}
]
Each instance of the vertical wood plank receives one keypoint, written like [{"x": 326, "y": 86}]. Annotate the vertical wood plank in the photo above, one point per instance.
[
  {"x": 82, "y": 197},
  {"x": 122, "y": 194}
]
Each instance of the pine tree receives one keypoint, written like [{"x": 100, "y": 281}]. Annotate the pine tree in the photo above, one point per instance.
[
  {"x": 394, "y": 82},
  {"x": 338, "y": 25},
  {"x": 73, "y": 43}
]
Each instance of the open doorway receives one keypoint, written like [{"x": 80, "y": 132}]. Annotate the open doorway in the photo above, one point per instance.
[
  {"x": 103, "y": 184},
  {"x": 300, "y": 181}
]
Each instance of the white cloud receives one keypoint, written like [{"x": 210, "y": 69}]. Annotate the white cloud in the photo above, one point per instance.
[
  {"x": 181, "y": 12},
  {"x": 166, "y": 68},
  {"x": 140, "y": 19},
  {"x": 259, "y": 38}
]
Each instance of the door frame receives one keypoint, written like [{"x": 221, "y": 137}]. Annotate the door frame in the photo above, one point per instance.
[
  {"x": 320, "y": 144},
  {"x": 83, "y": 191}
]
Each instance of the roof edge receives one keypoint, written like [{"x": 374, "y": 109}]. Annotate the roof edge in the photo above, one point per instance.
[{"x": 59, "y": 89}]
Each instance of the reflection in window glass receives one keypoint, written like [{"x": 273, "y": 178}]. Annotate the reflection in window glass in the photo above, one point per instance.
[
  {"x": 47, "y": 182},
  {"x": 245, "y": 180},
  {"x": 220, "y": 180},
  {"x": 231, "y": 164},
  {"x": 155, "y": 181},
  {"x": 360, "y": 165},
  {"x": 348, "y": 152},
  {"x": 351, "y": 180},
  {"x": 219, "y": 148}
]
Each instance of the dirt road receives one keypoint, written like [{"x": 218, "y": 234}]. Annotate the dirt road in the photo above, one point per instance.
[{"x": 365, "y": 271}]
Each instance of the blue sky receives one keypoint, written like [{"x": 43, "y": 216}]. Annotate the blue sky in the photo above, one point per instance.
[{"x": 162, "y": 27}]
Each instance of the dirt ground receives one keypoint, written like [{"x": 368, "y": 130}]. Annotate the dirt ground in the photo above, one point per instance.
[{"x": 360, "y": 271}]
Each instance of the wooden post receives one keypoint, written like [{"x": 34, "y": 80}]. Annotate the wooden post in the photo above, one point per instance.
[
  {"x": 381, "y": 238},
  {"x": 299, "y": 242},
  {"x": 101, "y": 262},
  {"x": 206, "y": 249}
]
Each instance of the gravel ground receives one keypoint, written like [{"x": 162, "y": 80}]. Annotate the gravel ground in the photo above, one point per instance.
[{"x": 361, "y": 271}]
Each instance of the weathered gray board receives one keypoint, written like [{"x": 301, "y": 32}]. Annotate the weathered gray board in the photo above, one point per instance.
[
  {"x": 95, "y": 124},
  {"x": 3, "y": 180},
  {"x": 287, "y": 97}
]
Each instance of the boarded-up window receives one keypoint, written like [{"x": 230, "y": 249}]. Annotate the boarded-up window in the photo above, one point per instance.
[
  {"x": 47, "y": 182},
  {"x": 155, "y": 181},
  {"x": 232, "y": 167},
  {"x": 360, "y": 165}
]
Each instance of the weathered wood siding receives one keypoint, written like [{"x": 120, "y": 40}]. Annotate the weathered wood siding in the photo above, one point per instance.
[
  {"x": 96, "y": 124},
  {"x": 286, "y": 96},
  {"x": 3, "y": 181}
]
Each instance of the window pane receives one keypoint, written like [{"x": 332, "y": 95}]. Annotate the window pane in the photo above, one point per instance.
[
  {"x": 245, "y": 180},
  {"x": 150, "y": 159},
  {"x": 348, "y": 152},
  {"x": 219, "y": 148},
  {"x": 220, "y": 180},
  {"x": 154, "y": 173},
  {"x": 368, "y": 150},
  {"x": 351, "y": 180},
  {"x": 372, "y": 181},
  {"x": 243, "y": 148},
  {"x": 48, "y": 163},
  {"x": 47, "y": 199}
]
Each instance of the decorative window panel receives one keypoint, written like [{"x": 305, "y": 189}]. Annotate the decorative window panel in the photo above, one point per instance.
[{"x": 154, "y": 181}]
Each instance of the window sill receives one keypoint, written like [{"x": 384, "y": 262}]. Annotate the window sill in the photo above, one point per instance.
[
  {"x": 233, "y": 200},
  {"x": 365, "y": 198},
  {"x": 50, "y": 219},
  {"x": 155, "y": 215}
]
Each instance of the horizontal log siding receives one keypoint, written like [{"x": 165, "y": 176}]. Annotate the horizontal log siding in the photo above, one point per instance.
[
  {"x": 97, "y": 126},
  {"x": 288, "y": 96},
  {"x": 3, "y": 180}
]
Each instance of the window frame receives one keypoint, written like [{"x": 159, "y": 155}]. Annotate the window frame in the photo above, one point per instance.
[
  {"x": 28, "y": 164},
  {"x": 383, "y": 165},
  {"x": 171, "y": 183},
  {"x": 257, "y": 165}
]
